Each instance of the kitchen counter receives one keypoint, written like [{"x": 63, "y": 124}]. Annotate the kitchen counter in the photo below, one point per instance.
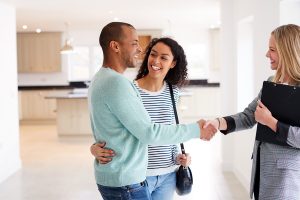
[
  {"x": 45, "y": 87},
  {"x": 83, "y": 85},
  {"x": 68, "y": 96}
]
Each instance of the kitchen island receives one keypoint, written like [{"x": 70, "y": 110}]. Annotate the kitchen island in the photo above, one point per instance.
[
  {"x": 72, "y": 116},
  {"x": 196, "y": 102}
]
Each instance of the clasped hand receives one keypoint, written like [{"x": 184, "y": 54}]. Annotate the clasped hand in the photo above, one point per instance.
[{"x": 207, "y": 131}]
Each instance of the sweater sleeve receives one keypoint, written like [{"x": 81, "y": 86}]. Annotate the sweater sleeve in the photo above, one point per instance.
[
  {"x": 124, "y": 102},
  {"x": 288, "y": 134},
  {"x": 243, "y": 120}
]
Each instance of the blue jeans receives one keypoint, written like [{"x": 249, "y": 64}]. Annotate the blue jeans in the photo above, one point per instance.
[
  {"x": 162, "y": 187},
  {"x": 137, "y": 191}
]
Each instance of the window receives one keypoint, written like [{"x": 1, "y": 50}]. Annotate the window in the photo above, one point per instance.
[
  {"x": 196, "y": 55},
  {"x": 84, "y": 62}
]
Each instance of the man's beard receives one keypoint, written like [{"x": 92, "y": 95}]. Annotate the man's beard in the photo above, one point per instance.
[{"x": 131, "y": 63}]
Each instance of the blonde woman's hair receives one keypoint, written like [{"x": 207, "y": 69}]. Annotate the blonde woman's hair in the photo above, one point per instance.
[{"x": 287, "y": 41}]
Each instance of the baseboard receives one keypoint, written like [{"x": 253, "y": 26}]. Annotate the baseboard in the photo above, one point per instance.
[{"x": 245, "y": 181}]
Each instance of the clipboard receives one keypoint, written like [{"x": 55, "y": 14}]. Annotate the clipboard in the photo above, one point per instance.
[{"x": 283, "y": 101}]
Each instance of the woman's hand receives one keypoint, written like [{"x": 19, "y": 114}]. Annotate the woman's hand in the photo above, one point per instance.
[
  {"x": 219, "y": 123},
  {"x": 184, "y": 159},
  {"x": 102, "y": 154},
  {"x": 264, "y": 116},
  {"x": 214, "y": 122}
]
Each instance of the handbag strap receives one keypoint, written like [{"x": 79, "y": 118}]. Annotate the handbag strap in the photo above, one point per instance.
[{"x": 175, "y": 113}]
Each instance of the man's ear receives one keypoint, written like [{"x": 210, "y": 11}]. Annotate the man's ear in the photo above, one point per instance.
[{"x": 114, "y": 46}]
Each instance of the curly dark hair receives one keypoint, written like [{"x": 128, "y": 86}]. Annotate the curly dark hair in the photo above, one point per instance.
[{"x": 176, "y": 75}]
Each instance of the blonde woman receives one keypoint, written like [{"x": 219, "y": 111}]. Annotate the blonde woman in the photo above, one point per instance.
[{"x": 275, "y": 168}]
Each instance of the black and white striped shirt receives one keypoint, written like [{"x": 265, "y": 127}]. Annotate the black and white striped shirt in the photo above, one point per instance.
[{"x": 161, "y": 158}]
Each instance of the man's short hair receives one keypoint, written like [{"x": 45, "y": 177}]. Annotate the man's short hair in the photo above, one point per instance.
[{"x": 112, "y": 32}]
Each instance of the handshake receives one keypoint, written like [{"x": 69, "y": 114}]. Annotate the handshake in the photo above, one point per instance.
[{"x": 208, "y": 128}]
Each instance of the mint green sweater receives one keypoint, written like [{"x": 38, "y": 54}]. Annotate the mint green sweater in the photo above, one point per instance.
[{"x": 119, "y": 118}]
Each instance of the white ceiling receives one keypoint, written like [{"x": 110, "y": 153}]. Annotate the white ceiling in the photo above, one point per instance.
[{"x": 51, "y": 15}]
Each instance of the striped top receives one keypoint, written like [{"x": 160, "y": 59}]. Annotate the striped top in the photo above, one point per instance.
[{"x": 161, "y": 158}]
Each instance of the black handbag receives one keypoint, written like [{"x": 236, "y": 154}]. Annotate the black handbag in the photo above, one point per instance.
[{"x": 184, "y": 176}]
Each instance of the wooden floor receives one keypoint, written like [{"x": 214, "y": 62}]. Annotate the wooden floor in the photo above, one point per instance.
[{"x": 60, "y": 168}]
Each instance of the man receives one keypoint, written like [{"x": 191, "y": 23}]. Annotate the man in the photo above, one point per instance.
[{"x": 119, "y": 118}]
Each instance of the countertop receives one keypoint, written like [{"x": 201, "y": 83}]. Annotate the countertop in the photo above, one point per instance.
[
  {"x": 72, "y": 85},
  {"x": 67, "y": 96},
  {"x": 76, "y": 93}
]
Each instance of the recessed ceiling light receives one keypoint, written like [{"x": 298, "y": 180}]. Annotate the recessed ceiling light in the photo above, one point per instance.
[
  {"x": 38, "y": 30},
  {"x": 24, "y": 26}
]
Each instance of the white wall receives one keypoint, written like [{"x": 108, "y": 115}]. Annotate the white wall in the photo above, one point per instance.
[
  {"x": 9, "y": 125},
  {"x": 290, "y": 12},
  {"x": 245, "y": 67},
  {"x": 214, "y": 55},
  {"x": 228, "y": 74}
]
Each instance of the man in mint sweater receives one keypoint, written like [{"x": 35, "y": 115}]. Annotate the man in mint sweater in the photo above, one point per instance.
[{"x": 119, "y": 118}]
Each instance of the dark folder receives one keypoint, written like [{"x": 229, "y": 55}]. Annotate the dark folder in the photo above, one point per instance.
[{"x": 283, "y": 101}]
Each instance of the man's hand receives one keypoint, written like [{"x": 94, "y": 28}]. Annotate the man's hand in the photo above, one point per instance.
[
  {"x": 213, "y": 122},
  {"x": 103, "y": 155},
  {"x": 208, "y": 132}
]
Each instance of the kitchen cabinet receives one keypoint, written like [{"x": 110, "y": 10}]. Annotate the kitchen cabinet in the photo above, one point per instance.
[
  {"x": 39, "y": 52},
  {"x": 198, "y": 102},
  {"x": 144, "y": 41},
  {"x": 34, "y": 105}
]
